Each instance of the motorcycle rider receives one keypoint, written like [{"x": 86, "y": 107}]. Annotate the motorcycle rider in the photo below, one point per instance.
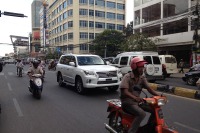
[
  {"x": 130, "y": 97},
  {"x": 19, "y": 65},
  {"x": 35, "y": 69}
]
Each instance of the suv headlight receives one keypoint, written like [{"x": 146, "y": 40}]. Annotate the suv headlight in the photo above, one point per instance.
[{"x": 90, "y": 73}]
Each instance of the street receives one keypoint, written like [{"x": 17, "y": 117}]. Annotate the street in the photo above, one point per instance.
[{"x": 62, "y": 110}]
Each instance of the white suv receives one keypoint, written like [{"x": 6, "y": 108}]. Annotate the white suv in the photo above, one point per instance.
[{"x": 87, "y": 71}]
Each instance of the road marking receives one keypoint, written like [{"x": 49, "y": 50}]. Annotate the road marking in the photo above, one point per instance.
[
  {"x": 9, "y": 87},
  {"x": 17, "y": 107},
  {"x": 188, "y": 127}
]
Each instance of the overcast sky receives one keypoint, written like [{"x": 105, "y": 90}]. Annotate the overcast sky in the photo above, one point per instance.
[{"x": 22, "y": 26}]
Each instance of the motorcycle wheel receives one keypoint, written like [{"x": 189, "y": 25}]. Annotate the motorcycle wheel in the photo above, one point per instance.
[
  {"x": 39, "y": 94},
  {"x": 115, "y": 123},
  {"x": 191, "y": 81}
]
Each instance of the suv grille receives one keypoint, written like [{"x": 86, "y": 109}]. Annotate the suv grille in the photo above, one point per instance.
[
  {"x": 107, "y": 74},
  {"x": 107, "y": 82}
]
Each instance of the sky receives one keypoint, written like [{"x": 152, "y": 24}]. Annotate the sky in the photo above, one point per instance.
[{"x": 22, "y": 26}]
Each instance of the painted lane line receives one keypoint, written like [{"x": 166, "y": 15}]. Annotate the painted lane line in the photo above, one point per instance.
[
  {"x": 188, "y": 127},
  {"x": 9, "y": 87},
  {"x": 17, "y": 107}
]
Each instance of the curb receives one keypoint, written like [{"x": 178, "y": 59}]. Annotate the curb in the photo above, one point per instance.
[{"x": 179, "y": 91}]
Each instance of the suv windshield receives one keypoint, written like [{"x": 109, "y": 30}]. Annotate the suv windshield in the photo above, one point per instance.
[{"x": 89, "y": 60}]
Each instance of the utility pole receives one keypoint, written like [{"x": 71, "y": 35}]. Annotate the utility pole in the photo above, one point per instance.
[{"x": 196, "y": 35}]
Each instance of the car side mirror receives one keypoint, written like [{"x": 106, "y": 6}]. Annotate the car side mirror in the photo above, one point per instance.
[{"x": 72, "y": 64}]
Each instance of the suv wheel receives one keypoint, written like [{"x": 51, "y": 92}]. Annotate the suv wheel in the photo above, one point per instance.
[
  {"x": 79, "y": 86},
  {"x": 113, "y": 88},
  {"x": 60, "y": 80}
]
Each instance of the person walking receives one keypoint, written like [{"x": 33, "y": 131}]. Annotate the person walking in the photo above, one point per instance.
[{"x": 181, "y": 65}]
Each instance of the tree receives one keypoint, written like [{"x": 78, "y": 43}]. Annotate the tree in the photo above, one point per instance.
[
  {"x": 128, "y": 30},
  {"x": 139, "y": 42},
  {"x": 108, "y": 43}
]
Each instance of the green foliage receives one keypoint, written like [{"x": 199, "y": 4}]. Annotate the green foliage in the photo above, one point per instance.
[
  {"x": 138, "y": 42},
  {"x": 109, "y": 39}
]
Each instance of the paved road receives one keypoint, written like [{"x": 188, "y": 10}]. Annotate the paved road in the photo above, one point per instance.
[{"x": 62, "y": 110}]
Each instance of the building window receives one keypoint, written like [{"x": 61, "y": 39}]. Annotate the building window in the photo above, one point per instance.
[
  {"x": 100, "y": 3},
  {"x": 70, "y": 47},
  {"x": 120, "y": 16},
  {"x": 64, "y": 37},
  {"x": 91, "y": 24},
  {"x": 137, "y": 17},
  {"x": 151, "y": 13},
  {"x": 99, "y": 25},
  {"x": 83, "y": 12},
  {"x": 111, "y": 26},
  {"x": 83, "y": 46},
  {"x": 70, "y": 13},
  {"x": 83, "y": 23},
  {"x": 91, "y": 2},
  {"x": 110, "y": 15},
  {"x": 70, "y": 24},
  {"x": 91, "y": 35},
  {"x": 120, "y": 27},
  {"x": 70, "y": 35},
  {"x": 110, "y": 4},
  {"x": 100, "y": 14},
  {"x": 64, "y": 26},
  {"x": 83, "y": 35},
  {"x": 173, "y": 7},
  {"x": 64, "y": 15},
  {"x": 175, "y": 27},
  {"x": 69, "y": 2},
  {"x": 83, "y": 1},
  {"x": 120, "y": 6},
  {"x": 91, "y": 12},
  {"x": 64, "y": 4},
  {"x": 152, "y": 31}
]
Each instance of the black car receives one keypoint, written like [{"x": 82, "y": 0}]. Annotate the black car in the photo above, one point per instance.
[{"x": 191, "y": 77}]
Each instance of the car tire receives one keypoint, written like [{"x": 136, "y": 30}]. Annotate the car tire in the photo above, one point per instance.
[
  {"x": 150, "y": 69},
  {"x": 79, "y": 86},
  {"x": 60, "y": 80},
  {"x": 191, "y": 81},
  {"x": 113, "y": 88}
]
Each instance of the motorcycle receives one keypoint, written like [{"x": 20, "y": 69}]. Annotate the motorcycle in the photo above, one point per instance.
[
  {"x": 52, "y": 66},
  {"x": 120, "y": 121},
  {"x": 37, "y": 86}
]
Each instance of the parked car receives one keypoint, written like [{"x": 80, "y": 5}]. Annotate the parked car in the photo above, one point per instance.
[
  {"x": 191, "y": 77},
  {"x": 170, "y": 63},
  {"x": 109, "y": 60},
  {"x": 87, "y": 71}
]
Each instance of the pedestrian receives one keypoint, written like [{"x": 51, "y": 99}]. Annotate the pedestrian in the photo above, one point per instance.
[{"x": 181, "y": 65}]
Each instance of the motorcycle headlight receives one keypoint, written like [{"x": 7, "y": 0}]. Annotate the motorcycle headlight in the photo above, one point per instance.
[
  {"x": 161, "y": 102},
  {"x": 38, "y": 81}
]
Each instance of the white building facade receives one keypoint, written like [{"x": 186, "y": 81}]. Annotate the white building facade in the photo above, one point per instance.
[
  {"x": 74, "y": 23},
  {"x": 169, "y": 20}
]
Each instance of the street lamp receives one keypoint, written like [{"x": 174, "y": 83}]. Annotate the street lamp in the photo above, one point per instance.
[{"x": 12, "y": 14}]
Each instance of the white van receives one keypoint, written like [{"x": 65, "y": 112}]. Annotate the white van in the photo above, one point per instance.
[
  {"x": 153, "y": 69},
  {"x": 170, "y": 62}
]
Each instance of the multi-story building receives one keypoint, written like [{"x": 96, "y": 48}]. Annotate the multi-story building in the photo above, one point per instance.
[
  {"x": 35, "y": 41},
  {"x": 74, "y": 23},
  {"x": 169, "y": 20}
]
